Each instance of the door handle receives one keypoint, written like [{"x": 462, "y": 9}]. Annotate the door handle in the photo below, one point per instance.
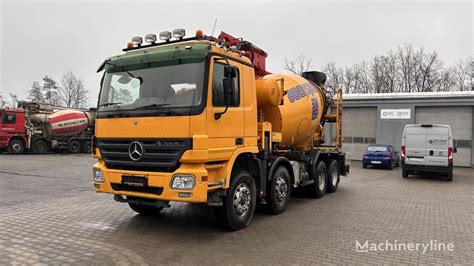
[
  {"x": 239, "y": 141},
  {"x": 431, "y": 153}
]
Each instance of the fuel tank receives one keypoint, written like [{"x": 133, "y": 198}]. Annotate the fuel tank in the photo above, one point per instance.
[{"x": 298, "y": 113}]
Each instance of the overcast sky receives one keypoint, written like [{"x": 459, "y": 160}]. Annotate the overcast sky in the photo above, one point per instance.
[{"x": 40, "y": 38}]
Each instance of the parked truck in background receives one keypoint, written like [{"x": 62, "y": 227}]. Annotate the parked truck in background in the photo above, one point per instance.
[
  {"x": 40, "y": 127},
  {"x": 201, "y": 120}
]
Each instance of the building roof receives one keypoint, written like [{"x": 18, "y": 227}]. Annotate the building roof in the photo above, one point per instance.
[{"x": 407, "y": 95}]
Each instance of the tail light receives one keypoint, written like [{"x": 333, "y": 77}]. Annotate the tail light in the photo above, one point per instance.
[
  {"x": 450, "y": 154},
  {"x": 387, "y": 154},
  {"x": 366, "y": 153},
  {"x": 403, "y": 153}
]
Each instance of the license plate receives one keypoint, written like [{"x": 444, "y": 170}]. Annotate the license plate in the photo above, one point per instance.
[
  {"x": 417, "y": 159},
  {"x": 136, "y": 181},
  {"x": 376, "y": 162}
]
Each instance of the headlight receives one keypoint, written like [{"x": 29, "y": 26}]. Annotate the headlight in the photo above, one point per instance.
[
  {"x": 98, "y": 175},
  {"x": 182, "y": 182}
]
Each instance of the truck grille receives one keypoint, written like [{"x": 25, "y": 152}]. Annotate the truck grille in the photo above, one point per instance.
[
  {"x": 160, "y": 155},
  {"x": 147, "y": 190}
]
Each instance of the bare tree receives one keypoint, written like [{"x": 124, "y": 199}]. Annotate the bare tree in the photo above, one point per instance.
[
  {"x": 14, "y": 99},
  {"x": 72, "y": 92},
  {"x": 335, "y": 75},
  {"x": 298, "y": 65}
]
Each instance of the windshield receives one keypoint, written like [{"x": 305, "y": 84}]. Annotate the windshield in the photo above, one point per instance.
[
  {"x": 166, "y": 86},
  {"x": 377, "y": 148}
]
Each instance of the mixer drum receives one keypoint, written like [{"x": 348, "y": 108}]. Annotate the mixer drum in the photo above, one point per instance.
[
  {"x": 67, "y": 122},
  {"x": 298, "y": 119}
]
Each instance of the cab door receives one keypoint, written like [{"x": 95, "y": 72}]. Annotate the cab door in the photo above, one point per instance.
[
  {"x": 225, "y": 133},
  {"x": 9, "y": 123}
]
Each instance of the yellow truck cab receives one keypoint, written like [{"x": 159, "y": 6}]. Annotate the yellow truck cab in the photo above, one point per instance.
[{"x": 180, "y": 120}]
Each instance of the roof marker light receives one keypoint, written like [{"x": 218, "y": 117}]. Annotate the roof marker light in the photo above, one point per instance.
[
  {"x": 150, "y": 38},
  {"x": 179, "y": 33},
  {"x": 137, "y": 41},
  {"x": 165, "y": 36},
  {"x": 199, "y": 34}
]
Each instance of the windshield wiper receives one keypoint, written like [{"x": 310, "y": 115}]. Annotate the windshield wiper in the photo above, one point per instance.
[
  {"x": 116, "y": 106},
  {"x": 123, "y": 69},
  {"x": 152, "y": 106}
]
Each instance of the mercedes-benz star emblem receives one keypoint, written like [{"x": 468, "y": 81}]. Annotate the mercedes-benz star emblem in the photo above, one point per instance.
[{"x": 136, "y": 151}]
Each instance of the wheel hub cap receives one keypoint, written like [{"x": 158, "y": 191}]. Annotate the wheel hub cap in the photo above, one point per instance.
[
  {"x": 242, "y": 199},
  {"x": 322, "y": 180},
  {"x": 334, "y": 177},
  {"x": 281, "y": 189}
]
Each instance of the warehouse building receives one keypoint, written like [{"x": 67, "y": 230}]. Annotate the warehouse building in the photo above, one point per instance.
[{"x": 380, "y": 118}]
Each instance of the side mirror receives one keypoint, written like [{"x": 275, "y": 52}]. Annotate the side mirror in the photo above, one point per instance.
[
  {"x": 455, "y": 149},
  {"x": 230, "y": 72}
]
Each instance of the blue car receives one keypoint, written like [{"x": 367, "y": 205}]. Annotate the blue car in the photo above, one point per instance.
[{"x": 383, "y": 155}]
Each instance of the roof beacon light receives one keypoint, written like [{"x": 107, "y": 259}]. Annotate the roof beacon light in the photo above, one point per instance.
[
  {"x": 150, "y": 38},
  {"x": 137, "y": 40},
  {"x": 165, "y": 36},
  {"x": 179, "y": 33}
]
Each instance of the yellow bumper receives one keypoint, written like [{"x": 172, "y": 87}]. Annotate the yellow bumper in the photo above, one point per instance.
[{"x": 158, "y": 181}]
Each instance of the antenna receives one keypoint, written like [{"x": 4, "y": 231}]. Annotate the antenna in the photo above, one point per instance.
[{"x": 213, "y": 28}]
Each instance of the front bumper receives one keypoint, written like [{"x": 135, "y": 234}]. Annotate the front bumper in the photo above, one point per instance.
[{"x": 159, "y": 184}]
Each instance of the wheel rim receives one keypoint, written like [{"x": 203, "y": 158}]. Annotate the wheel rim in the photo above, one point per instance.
[
  {"x": 242, "y": 199},
  {"x": 334, "y": 177},
  {"x": 322, "y": 180},
  {"x": 16, "y": 147},
  {"x": 281, "y": 189}
]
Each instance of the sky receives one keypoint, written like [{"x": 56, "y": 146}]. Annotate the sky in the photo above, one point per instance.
[{"x": 39, "y": 38}]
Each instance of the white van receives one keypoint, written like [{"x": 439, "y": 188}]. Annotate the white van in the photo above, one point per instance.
[{"x": 427, "y": 148}]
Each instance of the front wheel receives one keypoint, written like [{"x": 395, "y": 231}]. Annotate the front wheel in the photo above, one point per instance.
[
  {"x": 145, "y": 210},
  {"x": 318, "y": 188},
  {"x": 279, "y": 194},
  {"x": 16, "y": 146},
  {"x": 239, "y": 204}
]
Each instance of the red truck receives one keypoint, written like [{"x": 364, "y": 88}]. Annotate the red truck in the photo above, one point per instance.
[{"x": 40, "y": 128}]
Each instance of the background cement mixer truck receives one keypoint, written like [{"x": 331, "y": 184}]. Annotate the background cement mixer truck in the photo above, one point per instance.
[
  {"x": 40, "y": 128},
  {"x": 201, "y": 120}
]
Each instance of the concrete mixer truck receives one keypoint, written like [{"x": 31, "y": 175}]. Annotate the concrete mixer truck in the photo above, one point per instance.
[
  {"x": 40, "y": 127},
  {"x": 200, "y": 120}
]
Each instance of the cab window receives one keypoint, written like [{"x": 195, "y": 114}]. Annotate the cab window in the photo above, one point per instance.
[
  {"x": 8, "y": 118},
  {"x": 218, "y": 99}
]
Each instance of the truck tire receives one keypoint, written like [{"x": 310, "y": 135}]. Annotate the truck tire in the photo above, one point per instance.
[
  {"x": 279, "y": 191},
  {"x": 86, "y": 146},
  {"x": 239, "y": 203},
  {"x": 74, "y": 146},
  {"x": 16, "y": 146},
  {"x": 333, "y": 177},
  {"x": 40, "y": 146},
  {"x": 145, "y": 210},
  {"x": 318, "y": 188}
]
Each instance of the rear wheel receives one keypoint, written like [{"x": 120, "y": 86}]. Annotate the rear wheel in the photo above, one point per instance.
[
  {"x": 318, "y": 188},
  {"x": 16, "y": 146},
  {"x": 333, "y": 177},
  {"x": 279, "y": 193},
  {"x": 40, "y": 146},
  {"x": 364, "y": 165},
  {"x": 145, "y": 210},
  {"x": 86, "y": 146},
  {"x": 449, "y": 174},
  {"x": 74, "y": 146},
  {"x": 390, "y": 166},
  {"x": 239, "y": 204},
  {"x": 404, "y": 172}
]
